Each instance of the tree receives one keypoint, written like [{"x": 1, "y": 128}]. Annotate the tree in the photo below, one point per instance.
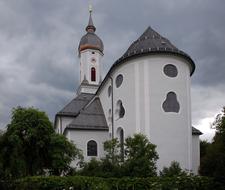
[
  {"x": 203, "y": 148},
  {"x": 140, "y": 157},
  {"x": 61, "y": 153},
  {"x": 30, "y": 146},
  {"x": 109, "y": 166},
  {"x": 173, "y": 170},
  {"x": 213, "y": 163}
]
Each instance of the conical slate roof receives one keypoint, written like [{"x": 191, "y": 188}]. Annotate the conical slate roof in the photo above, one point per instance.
[{"x": 152, "y": 42}]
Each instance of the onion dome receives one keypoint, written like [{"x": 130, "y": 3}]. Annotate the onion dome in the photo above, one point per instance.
[
  {"x": 90, "y": 40},
  {"x": 150, "y": 42}
]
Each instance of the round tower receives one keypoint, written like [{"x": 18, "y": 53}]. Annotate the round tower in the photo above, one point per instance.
[
  {"x": 150, "y": 91},
  {"x": 90, "y": 53}
]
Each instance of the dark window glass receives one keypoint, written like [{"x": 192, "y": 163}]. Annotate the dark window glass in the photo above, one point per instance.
[
  {"x": 120, "y": 109},
  {"x": 92, "y": 148},
  {"x": 122, "y": 144},
  {"x": 93, "y": 74},
  {"x": 170, "y": 70},
  {"x": 109, "y": 91},
  {"x": 119, "y": 80},
  {"x": 171, "y": 103}
]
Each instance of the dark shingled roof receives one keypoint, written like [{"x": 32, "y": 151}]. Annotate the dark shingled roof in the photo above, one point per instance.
[
  {"x": 91, "y": 117},
  {"x": 74, "y": 107},
  {"x": 152, "y": 42},
  {"x": 196, "y": 131}
]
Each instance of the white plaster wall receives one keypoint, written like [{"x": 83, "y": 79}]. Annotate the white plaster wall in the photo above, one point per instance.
[
  {"x": 195, "y": 154},
  {"x": 65, "y": 122},
  {"x": 125, "y": 93},
  {"x": 57, "y": 126},
  {"x": 106, "y": 102},
  {"x": 86, "y": 65},
  {"x": 142, "y": 92},
  {"x": 81, "y": 138}
]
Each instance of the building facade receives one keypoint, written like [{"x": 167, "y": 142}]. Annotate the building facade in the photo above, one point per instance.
[{"x": 145, "y": 91}]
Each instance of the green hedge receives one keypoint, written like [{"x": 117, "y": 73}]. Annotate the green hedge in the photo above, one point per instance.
[{"x": 95, "y": 183}]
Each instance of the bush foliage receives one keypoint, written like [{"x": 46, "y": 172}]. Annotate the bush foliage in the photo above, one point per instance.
[
  {"x": 94, "y": 183},
  {"x": 139, "y": 159}
]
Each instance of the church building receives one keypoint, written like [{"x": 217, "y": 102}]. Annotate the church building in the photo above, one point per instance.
[{"x": 147, "y": 91}]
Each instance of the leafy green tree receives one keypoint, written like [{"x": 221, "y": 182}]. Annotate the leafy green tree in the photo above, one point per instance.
[
  {"x": 112, "y": 153},
  {"x": 61, "y": 153},
  {"x": 173, "y": 170},
  {"x": 139, "y": 160},
  {"x": 213, "y": 163},
  {"x": 203, "y": 148},
  {"x": 140, "y": 157},
  {"x": 109, "y": 166},
  {"x": 30, "y": 146}
]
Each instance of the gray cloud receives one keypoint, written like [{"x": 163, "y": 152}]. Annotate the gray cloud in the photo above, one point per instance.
[{"x": 38, "y": 50}]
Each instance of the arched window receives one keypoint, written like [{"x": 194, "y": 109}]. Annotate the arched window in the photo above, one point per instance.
[
  {"x": 120, "y": 109},
  {"x": 119, "y": 80},
  {"x": 120, "y": 133},
  {"x": 93, "y": 74},
  {"x": 92, "y": 148}
]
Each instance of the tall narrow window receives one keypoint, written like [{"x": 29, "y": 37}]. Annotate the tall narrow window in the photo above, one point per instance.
[
  {"x": 120, "y": 133},
  {"x": 93, "y": 74},
  {"x": 92, "y": 148}
]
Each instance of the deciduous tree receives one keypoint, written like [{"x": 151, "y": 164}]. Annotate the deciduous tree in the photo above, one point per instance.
[
  {"x": 30, "y": 145},
  {"x": 213, "y": 163}
]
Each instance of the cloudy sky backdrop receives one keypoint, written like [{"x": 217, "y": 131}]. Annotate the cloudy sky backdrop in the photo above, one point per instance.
[{"x": 39, "y": 63}]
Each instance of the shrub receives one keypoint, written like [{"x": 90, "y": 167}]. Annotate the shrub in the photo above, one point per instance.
[
  {"x": 173, "y": 170},
  {"x": 125, "y": 183}
]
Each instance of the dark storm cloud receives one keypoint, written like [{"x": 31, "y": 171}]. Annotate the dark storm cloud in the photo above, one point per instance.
[{"x": 39, "y": 65}]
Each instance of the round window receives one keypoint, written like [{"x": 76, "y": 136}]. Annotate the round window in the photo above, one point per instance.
[
  {"x": 119, "y": 80},
  {"x": 109, "y": 91},
  {"x": 170, "y": 70},
  {"x": 93, "y": 60}
]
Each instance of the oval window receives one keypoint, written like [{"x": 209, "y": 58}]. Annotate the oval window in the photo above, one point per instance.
[
  {"x": 119, "y": 80},
  {"x": 170, "y": 70}
]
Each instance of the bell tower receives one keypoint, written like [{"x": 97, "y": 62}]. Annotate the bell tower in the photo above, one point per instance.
[{"x": 90, "y": 54}]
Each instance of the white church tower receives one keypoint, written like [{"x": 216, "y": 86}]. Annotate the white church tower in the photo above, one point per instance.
[{"x": 90, "y": 54}]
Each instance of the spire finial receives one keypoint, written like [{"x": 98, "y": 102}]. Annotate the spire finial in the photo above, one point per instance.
[
  {"x": 90, "y": 8},
  {"x": 90, "y": 27}
]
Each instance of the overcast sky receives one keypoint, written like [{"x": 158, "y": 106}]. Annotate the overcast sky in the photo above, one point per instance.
[{"x": 39, "y": 63}]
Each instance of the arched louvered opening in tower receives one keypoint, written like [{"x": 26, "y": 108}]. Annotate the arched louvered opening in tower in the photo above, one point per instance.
[{"x": 93, "y": 74}]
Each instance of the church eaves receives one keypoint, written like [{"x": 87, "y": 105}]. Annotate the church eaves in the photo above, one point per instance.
[{"x": 151, "y": 42}]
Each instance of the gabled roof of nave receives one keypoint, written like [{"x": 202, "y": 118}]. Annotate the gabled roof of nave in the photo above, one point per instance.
[
  {"x": 91, "y": 117},
  {"x": 73, "y": 108}
]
